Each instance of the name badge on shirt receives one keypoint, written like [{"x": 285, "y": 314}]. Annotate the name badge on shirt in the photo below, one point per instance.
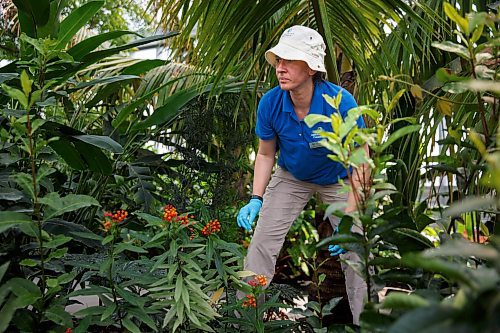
[{"x": 316, "y": 144}]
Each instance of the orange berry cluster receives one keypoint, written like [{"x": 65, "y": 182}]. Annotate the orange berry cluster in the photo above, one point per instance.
[
  {"x": 110, "y": 219},
  {"x": 169, "y": 213},
  {"x": 211, "y": 227},
  {"x": 258, "y": 280},
  {"x": 249, "y": 302}
]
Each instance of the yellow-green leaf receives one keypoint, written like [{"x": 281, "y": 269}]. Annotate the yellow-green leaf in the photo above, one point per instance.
[
  {"x": 445, "y": 107},
  {"x": 452, "y": 13},
  {"x": 26, "y": 83},
  {"x": 416, "y": 91}
]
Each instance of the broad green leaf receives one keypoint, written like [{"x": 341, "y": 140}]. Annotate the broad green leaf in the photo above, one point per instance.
[
  {"x": 94, "y": 157},
  {"x": 69, "y": 153},
  {"x": 129, "y": 247},
  {"x": 10, "y": 194},
  {"x": 110, "y": 309},
  {"x": 106, "y": 80},
  {"x": 173, "y": 104},
  {"x": 127, "y": 110},
  {"x": 144, "y": 66},
  {"x": 57, "y": 241},
  {"x": 313, "y": 119},
  {"x": 399, "y": 134},
  {"x": 58, "y": 206},
  {"x": 28, "y": 262},
  {"x": 37, "y": 10},
  {"x": 12, "y": 219},
  {"x": 101, "y": 141},
  {"x": 76, "y": 20},
  {"x": 89, "y": 44},
  {"x": 7, "y": 76},
  {"x": 129, "y": 324},
  {"x": 398, "y": 301},
  {"x": 470, "y": 204},
  {"x": 16, "y": 94},
  {"x": 422, "y": 319},
  {"x": 415, "y": 235},
  {"x": 453, "y": 48}
]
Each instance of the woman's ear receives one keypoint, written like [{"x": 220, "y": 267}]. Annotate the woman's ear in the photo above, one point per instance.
[{"x": 312, "y": 72}]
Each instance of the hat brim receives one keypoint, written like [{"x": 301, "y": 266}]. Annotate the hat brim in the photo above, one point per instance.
[{"x": 287, "y": 52}]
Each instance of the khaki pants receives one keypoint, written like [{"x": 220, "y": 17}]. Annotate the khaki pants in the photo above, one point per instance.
[{"x": 284, "y": 199}]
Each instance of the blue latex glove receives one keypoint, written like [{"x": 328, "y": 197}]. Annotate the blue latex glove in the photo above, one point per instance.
[
  {"x": 336, "y": 250},
  {"x": 248, "y": 213}
]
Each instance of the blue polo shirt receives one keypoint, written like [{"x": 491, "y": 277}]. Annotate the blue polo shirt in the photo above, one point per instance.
[{"x": 298, "y": 154}]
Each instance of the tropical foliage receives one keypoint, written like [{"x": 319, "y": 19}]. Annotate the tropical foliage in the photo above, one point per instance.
[{"x": 120, "y": 178}]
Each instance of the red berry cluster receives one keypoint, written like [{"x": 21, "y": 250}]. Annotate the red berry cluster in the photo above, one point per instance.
[
  {"x": 69, "y": 330},
  {"x": 211, "y": 227},
  {"x": 249, "y": 301},
  {"x": 111, "y": 219}
]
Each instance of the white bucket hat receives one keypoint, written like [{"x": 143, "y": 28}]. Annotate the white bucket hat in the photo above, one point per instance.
[{"x": 300, "y": 43}]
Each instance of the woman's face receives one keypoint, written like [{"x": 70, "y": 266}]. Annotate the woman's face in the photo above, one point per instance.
[{"x": 293, "y": 74}]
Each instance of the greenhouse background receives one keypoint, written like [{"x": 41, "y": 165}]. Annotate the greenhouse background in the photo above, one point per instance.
[{"x": 128, "y": 146}]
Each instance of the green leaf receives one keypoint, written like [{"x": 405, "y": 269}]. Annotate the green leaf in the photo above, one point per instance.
[
  {"x": 69, "y": 153},
  {"x": 313, "y": 119},
  {"x": 69, "y": 203},
  {"x": 452, "y": 13},
  {"x": 16, "y": 94},
  {"x": 10, "y": 194},
  {"x": 101, "y": 141},
  {"x": 26, "y": 83},
  {"x": 179, "y": 285},
  {"x": 94, "y": 157},
  {"x": 3, "y": 269},
  {"x": 399, "y": 134},
  {"x": 470, "y": 204},
  {"x": 415, "y": 235},
  {"x": 12, "y": 219},
  {"x": 28, "y": 262},
  {"x": 105, "y": 80},
  {"x": 25, "y": 181},
  {"x": 453, "y": 48},
  {"x": 129, "y": 247},
  {"x": 37, "y": 10},
  {"x": 110, "y": 309},
  {"x": 7, "y": 76},
  {"x": 130, "y": 325},
  {"x": 88, "y": 45},
  {"x": 143, "y": 66},
  {"x": 173, "y": 104},
  {"x": 421, "y": 319},
  {"x": 398, "y": 301},
  {"x": 75, "y": 21},
  {"x": 130, "y": 297}
]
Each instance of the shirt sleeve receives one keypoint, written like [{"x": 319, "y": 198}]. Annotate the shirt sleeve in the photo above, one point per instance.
[
  {"x": 348, "y": 102},
  {"x": 263, "y": 127}
]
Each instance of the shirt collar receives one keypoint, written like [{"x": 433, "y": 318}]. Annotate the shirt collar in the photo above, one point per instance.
[{"x": 316, "y": 102}]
